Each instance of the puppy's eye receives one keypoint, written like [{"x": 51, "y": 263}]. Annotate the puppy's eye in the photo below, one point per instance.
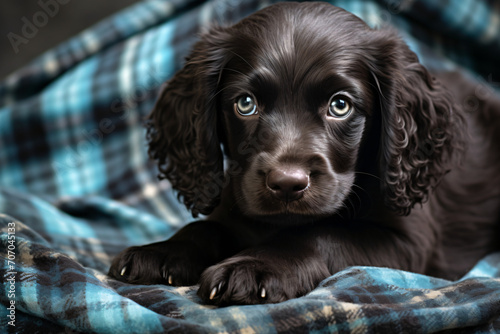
[
  {"x": 339, "y": 107},
  {"x": 245, "y": 106}
]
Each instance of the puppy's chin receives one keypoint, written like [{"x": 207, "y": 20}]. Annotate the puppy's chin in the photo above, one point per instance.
[
  {"x": 306, "y": 210},
  {"x": 288, "y": 219},
  {"x": 326, "y": 196}
]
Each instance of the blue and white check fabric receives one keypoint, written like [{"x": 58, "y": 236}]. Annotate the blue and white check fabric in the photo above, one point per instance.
[{"x": 76, "y": 186}]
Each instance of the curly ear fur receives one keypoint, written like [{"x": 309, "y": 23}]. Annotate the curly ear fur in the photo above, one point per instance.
[
  {"x": 420, "y": 124},
  {"x": 181, "y": 129}
]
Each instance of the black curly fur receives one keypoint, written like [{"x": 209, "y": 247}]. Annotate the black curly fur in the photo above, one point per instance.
[
  {"x": 180, "y": 130},
  {"x": 422, "y": 130}
]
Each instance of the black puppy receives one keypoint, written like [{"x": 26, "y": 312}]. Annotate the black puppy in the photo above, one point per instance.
[{"x": 333, "y": 132}]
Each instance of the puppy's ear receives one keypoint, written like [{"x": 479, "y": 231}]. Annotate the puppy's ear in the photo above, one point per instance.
[
  {"x": 182, "y": 128},
  {"x": 421, "y": 128}
]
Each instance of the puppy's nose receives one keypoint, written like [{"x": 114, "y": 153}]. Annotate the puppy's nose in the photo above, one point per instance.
[{"x": 287, "y": 183}]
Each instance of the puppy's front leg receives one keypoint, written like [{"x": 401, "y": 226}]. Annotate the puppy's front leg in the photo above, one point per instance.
[
  {"x": 281, "y": 269},
  {"x": 293, "y": 263},
  {"x": 179, "y": 260}
]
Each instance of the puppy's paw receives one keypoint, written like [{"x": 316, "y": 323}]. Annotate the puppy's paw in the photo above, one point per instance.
[
  {"x": 248, "y": 280},
  {"x": 168, "y": 262}
]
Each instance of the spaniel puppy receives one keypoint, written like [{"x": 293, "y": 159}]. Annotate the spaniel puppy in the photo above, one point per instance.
[{"x": 314, "y": 143}]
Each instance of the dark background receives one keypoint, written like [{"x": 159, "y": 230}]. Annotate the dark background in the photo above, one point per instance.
[{"x": 71, "y": 18}]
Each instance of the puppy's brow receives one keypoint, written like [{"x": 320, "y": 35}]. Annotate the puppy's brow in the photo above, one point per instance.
[{"x": 239, "y": 56}]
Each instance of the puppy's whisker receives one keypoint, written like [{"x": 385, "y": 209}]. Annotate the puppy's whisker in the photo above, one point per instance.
[
  {"x": 237, "y": 55},
  {"x": 356, "y": 187},
  {"x": 217, "y": 93},
  {"x": 339, "y": 214},
  {"x": 369, "y": 174},
  {"x": 246, "y": 76},
  {"x": 348, "y": 208}
]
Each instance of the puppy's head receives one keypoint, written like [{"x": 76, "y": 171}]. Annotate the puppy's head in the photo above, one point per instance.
[{"x": 303, "y": 97}]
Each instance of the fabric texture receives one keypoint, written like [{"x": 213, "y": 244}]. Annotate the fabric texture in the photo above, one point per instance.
[{"x": 76, "y": 186}]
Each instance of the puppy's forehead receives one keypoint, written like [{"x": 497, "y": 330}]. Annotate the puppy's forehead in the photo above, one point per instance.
[
  {"x": 297, "y": 36},
  {"x": 281, "y": 23}
]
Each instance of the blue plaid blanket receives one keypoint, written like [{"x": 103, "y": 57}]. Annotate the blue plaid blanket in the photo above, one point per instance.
[{"x": 76, "y": 186}]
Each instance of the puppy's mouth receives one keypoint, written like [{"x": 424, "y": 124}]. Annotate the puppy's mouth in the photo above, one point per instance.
[
  {"x": 293, "y": 195},
  {"x": 288, "y": 219}
]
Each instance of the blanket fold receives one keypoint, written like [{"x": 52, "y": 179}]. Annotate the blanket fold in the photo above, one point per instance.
[{"x": 76, "y": 186}]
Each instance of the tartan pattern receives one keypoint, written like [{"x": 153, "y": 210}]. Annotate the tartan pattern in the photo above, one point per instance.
[{"x": 76, "y": 186}]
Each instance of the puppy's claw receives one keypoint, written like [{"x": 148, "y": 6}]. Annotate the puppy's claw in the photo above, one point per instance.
[
  {"x": 168, "y": 277},
  {"x": 213, "y": 293},
  {"x": 263, "y": 293},
  {"x": 124, "y": 269}
]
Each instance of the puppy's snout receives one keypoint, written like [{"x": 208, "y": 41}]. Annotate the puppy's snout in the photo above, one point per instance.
[{"x": 287, "y": 183}]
